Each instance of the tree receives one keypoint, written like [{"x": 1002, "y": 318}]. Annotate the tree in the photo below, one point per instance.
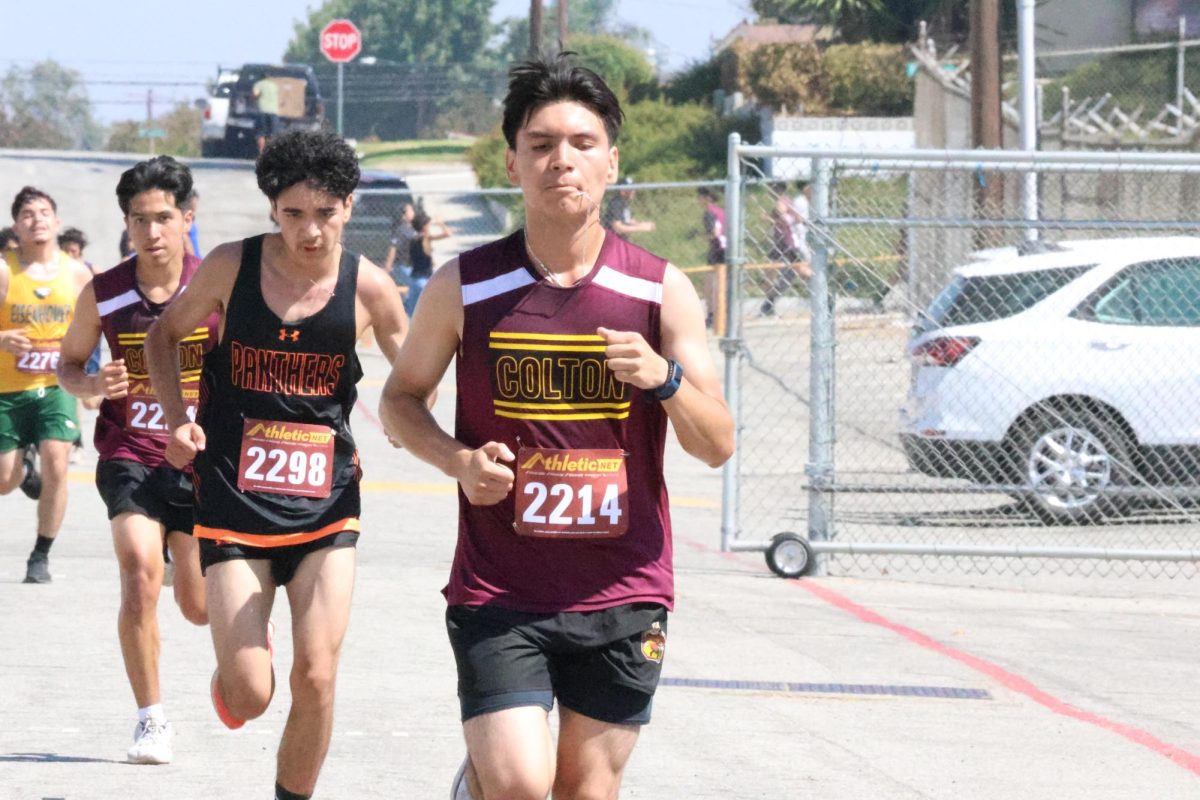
[
  {"x": 624, "y": 67},
  {"x": 586, "y": 17},
  {"x": 405, "y": 31},
  {"x": 46, "y": 106},
  {"x": 871, "y": 20},
  {"x": 181, "y": 125}
]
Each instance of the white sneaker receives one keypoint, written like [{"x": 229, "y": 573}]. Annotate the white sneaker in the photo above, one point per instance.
[
  {"x": 151, "y": 743},
  {"x": 458, "y": 788}
]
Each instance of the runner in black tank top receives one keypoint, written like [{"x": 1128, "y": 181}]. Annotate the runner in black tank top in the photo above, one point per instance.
[
  {"x": 568, "y": 348},
  {"x": 266, "y": 373},
  {"x": 276, "y": 470}
]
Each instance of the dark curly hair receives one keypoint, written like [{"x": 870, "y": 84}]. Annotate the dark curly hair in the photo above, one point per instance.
[
  {"x": 538, "y": 82},
  {"x": 320, "y": 159},
  {"x": 73, "y": 236},
  {"x": 161, "y": 172},
  {"x": 27, "y": 195}
]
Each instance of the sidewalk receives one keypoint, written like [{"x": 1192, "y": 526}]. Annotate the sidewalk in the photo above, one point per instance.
[{"x": 831, "y": 688}]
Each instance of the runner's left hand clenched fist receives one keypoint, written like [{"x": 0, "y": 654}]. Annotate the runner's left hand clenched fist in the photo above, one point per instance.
[{"x": 633, "y": 360}]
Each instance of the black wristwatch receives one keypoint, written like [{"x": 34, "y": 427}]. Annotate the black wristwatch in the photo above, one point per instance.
[{"x": 674, "y": 379}]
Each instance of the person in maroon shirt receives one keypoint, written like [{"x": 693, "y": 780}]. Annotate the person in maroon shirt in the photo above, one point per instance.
[
  {"x": 148, "y": 500},
  {"x": 574, "y": 348}
]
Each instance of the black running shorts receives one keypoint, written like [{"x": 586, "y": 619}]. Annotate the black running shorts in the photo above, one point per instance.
[
  {"x": 602, "y": 664},
  {"x": 284, "y": 560},
  {"x": 162, "y": 493}
]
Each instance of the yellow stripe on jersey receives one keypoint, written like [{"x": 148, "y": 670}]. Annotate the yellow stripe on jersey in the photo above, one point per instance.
[
  {"x": 562, "y": 406},
  {"x": 546, "y": 337},
  {"x": 540, "y": 347},
  {"x": 516, "y": 415}
]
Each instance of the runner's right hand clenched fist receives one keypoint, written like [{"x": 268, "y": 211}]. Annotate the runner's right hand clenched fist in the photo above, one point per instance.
[
  {"x": 112, "y": 381},
  {"x": 484, "y": 480},
  {"x": 186, "y": 441}
]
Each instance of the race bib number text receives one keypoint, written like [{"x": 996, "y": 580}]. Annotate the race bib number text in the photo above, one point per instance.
[
  {"x": 286, "y": 458},
  {"x": 41, "y": 360},
  {"x": 144, "y": 414},
  {"x": 571, "y": 494}
]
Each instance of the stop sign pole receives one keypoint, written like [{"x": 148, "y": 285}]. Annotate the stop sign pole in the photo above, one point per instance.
[{"x": 340, "y": 42}]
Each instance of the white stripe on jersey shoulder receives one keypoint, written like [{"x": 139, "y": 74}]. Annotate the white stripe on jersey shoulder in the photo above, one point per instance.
[
  {"x": 629, "y": 285},
  {"x": 492, "y": 287},
  {"x": 127, "y": 298}
]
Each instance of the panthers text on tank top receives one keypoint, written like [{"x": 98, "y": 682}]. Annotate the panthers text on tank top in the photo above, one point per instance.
[
  {"x": 531, "y": 374},
  {"x": 44, "y": 309},
  {"x": 132, "y": 427},
  {"x": 280, "y": 465}
]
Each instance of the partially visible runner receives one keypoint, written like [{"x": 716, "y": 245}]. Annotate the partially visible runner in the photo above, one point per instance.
[
  {"x": 148, "y": 500},
  {"x": 73, "y": 242},
  {"x": 39, "y": 284},
  {"x": 574, "y": 348},
  {"x": 276, "y": 467}
]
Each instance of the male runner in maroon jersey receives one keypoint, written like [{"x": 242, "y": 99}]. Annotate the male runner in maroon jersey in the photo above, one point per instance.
[
  {"x": 276, "y": 468},
  {"x": 583, "y": 342},
  {"x": 148, "y": 500}
]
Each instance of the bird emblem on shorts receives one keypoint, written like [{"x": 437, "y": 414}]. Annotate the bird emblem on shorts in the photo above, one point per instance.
[
  {"x": 654, "y": 643},
  {"x": 42, "y": 292}
]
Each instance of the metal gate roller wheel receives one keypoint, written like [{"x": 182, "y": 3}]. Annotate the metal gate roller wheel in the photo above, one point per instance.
[{"x": 789, "y": 556}]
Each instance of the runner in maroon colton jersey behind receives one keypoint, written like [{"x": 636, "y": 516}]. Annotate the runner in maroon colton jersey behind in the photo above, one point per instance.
[
  {"x": 574, "y": 349},
  {"x": 148, "y": 500}
]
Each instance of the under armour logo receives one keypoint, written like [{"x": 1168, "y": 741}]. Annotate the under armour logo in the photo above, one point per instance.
[{"x": 285, "y": 334}]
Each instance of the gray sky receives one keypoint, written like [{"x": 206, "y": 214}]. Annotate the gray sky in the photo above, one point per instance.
[{"x": 117, "y": 45}]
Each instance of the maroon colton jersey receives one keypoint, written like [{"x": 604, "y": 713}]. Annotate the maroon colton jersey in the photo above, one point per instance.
[
  {"x": 133, "y": 427},
  {"x": 587, "y": 525}
]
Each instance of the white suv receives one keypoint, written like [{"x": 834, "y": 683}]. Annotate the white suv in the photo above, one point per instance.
[{"x": 1062, "y": 375}]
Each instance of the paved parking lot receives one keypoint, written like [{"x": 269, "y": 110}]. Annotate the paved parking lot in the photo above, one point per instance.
[{"x": 831, "y": 688}]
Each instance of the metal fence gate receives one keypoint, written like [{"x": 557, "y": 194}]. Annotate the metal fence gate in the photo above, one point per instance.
[{"x": 964, "y": 361}]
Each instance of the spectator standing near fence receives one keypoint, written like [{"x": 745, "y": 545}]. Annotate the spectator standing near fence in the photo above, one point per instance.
[
  {"x": 149, "y": 502},
  {"x": 543, "y": 606},
  {"x": 420, "y": 250},
  {"x": 39, "y": 285},
  {"x": 713, "y": 222},
  {"x": 278, "y": 389},
  {"x": 618, "y": 211},
  {"x": 398, "y": 263},
  {"x": 789, "y": 220}
]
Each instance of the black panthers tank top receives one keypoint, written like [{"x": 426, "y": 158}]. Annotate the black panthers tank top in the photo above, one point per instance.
[{"x": 280, "y": 466}]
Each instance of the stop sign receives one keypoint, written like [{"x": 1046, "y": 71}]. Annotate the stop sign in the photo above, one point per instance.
[{"x": 341, "y": 41}]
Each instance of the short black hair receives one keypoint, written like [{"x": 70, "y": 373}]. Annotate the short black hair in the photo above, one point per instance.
[
  {"x": 7, "y": 235},
  {"x": 320, "y": 159},
  {"x": 538, "y": 82},
  {"x": 420, "y": 220},
  {"x": 160, "y": 172},
  {"x": 72, "y": 236},
  {"x": 27, "y": 195},
  {"x": 707, "y": 192}
]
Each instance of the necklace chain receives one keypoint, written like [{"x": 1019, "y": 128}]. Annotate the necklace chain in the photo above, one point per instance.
[{"x": 541, "y": 265}]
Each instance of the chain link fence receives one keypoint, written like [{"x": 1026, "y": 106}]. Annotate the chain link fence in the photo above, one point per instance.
[
  {"x": 668, "y": 219},
  {"x": 926, "y": 381}
]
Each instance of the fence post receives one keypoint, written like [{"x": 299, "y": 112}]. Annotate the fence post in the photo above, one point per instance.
[
  {"x": 730, "y": 345},
  {"x": 821, "y": 368}
]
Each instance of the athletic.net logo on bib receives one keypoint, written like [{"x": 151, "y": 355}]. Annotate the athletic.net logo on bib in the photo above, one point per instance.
[
  {"x": 571, "y": 494},
  {"x": 286, "y": 458}
]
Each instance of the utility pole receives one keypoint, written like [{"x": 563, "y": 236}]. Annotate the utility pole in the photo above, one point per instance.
[
  {"x": 535, "y": 28},
  {"x": 562, "y": 26},
  {"x": 986, "y": 131},
  {"x": 150, "y": 118}
]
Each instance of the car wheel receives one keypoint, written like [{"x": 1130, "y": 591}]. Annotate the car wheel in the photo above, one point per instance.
[{"x": 1069, "y": 461}]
